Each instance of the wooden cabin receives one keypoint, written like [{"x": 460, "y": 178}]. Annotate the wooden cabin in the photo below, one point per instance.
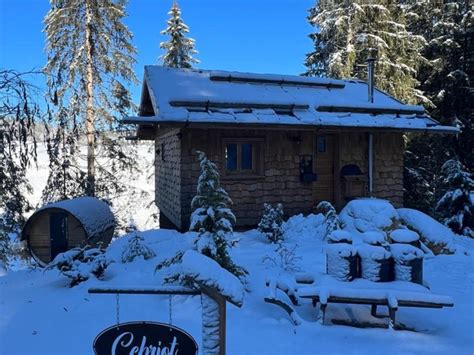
[
  {"x": 275, "y": 138},
  {"x": 58, "y": 227}
]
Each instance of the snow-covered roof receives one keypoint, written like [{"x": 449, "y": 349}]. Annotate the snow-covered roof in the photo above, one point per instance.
[
  {"x": 189, "y": 96},
  {"x": 95, "y": 215}
]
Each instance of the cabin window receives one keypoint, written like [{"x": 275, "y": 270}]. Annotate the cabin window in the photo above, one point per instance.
[
  {"x": 242, "y": 156},
  {"x": 321, "y": 144}
]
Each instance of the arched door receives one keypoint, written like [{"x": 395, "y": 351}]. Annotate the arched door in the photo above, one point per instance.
[{"x": 58, "y": 228}]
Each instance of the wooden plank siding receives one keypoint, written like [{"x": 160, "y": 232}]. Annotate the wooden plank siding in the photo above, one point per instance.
[{"x": 177, "y": 169}]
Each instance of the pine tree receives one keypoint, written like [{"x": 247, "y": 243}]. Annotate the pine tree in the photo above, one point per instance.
[
  {"x": 271, "y": 223},
  {"x": 348, "y": 30},
  {"x": 212, "y": 217},
  {"x": 136, "y": 248},
  {"x": 19, "y": 114},
  {"x": 456, "y": 206},
  {"x": 90, "y": 60},
  {"x": 179, "y": 49}
]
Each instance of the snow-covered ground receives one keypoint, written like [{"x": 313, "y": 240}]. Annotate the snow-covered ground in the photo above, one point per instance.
[{"x": 40, "y": 314}]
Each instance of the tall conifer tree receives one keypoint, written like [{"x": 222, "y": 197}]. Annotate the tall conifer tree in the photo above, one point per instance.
[
  {"x": 179, "y": 50},
  {"x": 90, "y": 58},
  {"x": 347, "y": 30},
  {"x": 447, "y": 83}
]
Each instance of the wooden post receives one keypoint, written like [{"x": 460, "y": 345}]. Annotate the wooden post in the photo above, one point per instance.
[
  {"x": 213, "y": 323},
  {"x": 391, "y": 320}
]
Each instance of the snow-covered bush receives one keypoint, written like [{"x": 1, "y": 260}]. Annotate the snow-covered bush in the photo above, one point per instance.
[
  {"x": 271, "y": 223},
  {"x": 80, "y": 264},
  {"x": 284, "y": 258},
  {"x": 212, "y": 217},
  {"x": 329, "y": 212},
  {"x": 136, "y": 248},
  {"x": 340, "y": 236},
  {"x": 456, "y": 207}
]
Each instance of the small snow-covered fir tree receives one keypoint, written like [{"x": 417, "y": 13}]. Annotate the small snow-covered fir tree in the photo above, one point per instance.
[
  {"x": 332, "y": 220},
  {"x": 136, "y": 248},
  {"x": 271, "y": 223},
  {"x": 456, "y": 206},
  {"x": 212, "y": 217},
  {"x": 80, "y": 264},
  {"x": 179, "y": 49}
]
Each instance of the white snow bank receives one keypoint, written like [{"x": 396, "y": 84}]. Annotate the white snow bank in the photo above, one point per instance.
[
  {"x": 340, "y": 235},
  {"x": 310, "y": 226},
  {"x": 405, "y": 252},
  {"x": 368, "y": 214},
  {"x": 437, "y": 237},
  {"x": 404, "y": 236},
  {"x": 374, "y": 237},
  {"x": 207, "y": 272}
]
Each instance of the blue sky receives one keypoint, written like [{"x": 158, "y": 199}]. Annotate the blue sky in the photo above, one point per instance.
[{"x": 265, "y": 36}]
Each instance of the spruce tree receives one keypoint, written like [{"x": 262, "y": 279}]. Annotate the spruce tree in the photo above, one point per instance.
[
  {"x": 447, "y": 84},
  {"x": 456, "y": 206},
  {"x": 19, "y": 115},
  {"x": 179, "y": 50},
  {"x": 348, "y": 30},
  {"x": 212, "y": 217},
  {"x": 90, "y": 58}
]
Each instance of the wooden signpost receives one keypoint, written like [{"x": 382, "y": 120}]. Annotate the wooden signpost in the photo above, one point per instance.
[{"x": 148, "y": 338}]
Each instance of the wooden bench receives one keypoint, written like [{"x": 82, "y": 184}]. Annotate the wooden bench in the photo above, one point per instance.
[
  {"x": 388, "y": 294},
  {"x": 328, "y": 290}
]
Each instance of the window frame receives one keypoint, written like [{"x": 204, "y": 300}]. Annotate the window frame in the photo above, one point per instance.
[{"x": 257, "y": 157}]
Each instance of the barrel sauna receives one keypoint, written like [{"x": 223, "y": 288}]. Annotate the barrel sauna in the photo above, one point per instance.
[{"x": 58, "y": 227}]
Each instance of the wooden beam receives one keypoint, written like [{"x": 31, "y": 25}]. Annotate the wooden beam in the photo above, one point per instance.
[
  {"x": 371, "y": 110},
  {"x": 254, "y": 80},
  {"x": 163, "y": 290},
  {"x": 236, "y": 105}
]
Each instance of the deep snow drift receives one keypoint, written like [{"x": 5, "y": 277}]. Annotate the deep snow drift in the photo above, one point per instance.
[{"x": 39, "y": 314}]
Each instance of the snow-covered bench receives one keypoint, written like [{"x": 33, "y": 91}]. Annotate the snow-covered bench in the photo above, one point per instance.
[
  {"x": 391, "y": 294},
  {"x": 327, "y": 290}
]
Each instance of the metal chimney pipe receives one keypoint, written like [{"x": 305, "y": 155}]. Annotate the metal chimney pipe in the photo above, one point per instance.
[{"x": 370, "y": 72}]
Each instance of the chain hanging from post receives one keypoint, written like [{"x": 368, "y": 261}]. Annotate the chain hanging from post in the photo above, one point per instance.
[
  {"x": 117, "y": 305},
  {"x": 170, "y": 310}
]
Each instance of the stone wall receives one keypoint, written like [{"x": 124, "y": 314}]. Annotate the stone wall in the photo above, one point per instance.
[{"x": 168, "y": 175}]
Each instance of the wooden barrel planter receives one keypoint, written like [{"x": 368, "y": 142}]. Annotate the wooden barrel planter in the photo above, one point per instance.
[{"x": 58, "y": 227}]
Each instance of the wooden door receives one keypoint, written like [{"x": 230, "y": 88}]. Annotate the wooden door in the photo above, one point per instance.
[
  {"x": 58, "y": 233},
  {"x": 323, "y": 151}
]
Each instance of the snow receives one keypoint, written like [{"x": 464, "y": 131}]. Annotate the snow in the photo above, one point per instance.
[
  {"x": 364, "y": 289},
  {"x": 404, "y": 236},
  {"x": 439, "y": 238},
  {"x": 405, "y": 252},
  {"x": 36, "y": 306},
  {"x": 337, "y": 263},
  {"x": 168, "y": 84},
  {"x": 374, "y": 238},
  {"x": 340, "y": 235},
  {"x": 94, "y": 214},
  {"x": 368, "y": 214},
  {"x": 207, "y": 272}
]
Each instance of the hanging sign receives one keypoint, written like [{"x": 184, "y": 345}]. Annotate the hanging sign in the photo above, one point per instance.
[{"x": 144, "y": 338}]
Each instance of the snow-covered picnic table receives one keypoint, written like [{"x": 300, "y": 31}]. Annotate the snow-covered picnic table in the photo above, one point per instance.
[{"x": 325, "y": 289}]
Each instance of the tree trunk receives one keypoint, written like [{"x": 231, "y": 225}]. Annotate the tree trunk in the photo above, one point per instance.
[{"x": 90, "y": 129}]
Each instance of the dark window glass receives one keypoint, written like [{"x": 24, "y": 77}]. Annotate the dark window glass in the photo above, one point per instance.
[
  {"x": 321, "y": 144},
  {"x": 246, "y": 156},
  {"x": 231, "y": 156}
]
